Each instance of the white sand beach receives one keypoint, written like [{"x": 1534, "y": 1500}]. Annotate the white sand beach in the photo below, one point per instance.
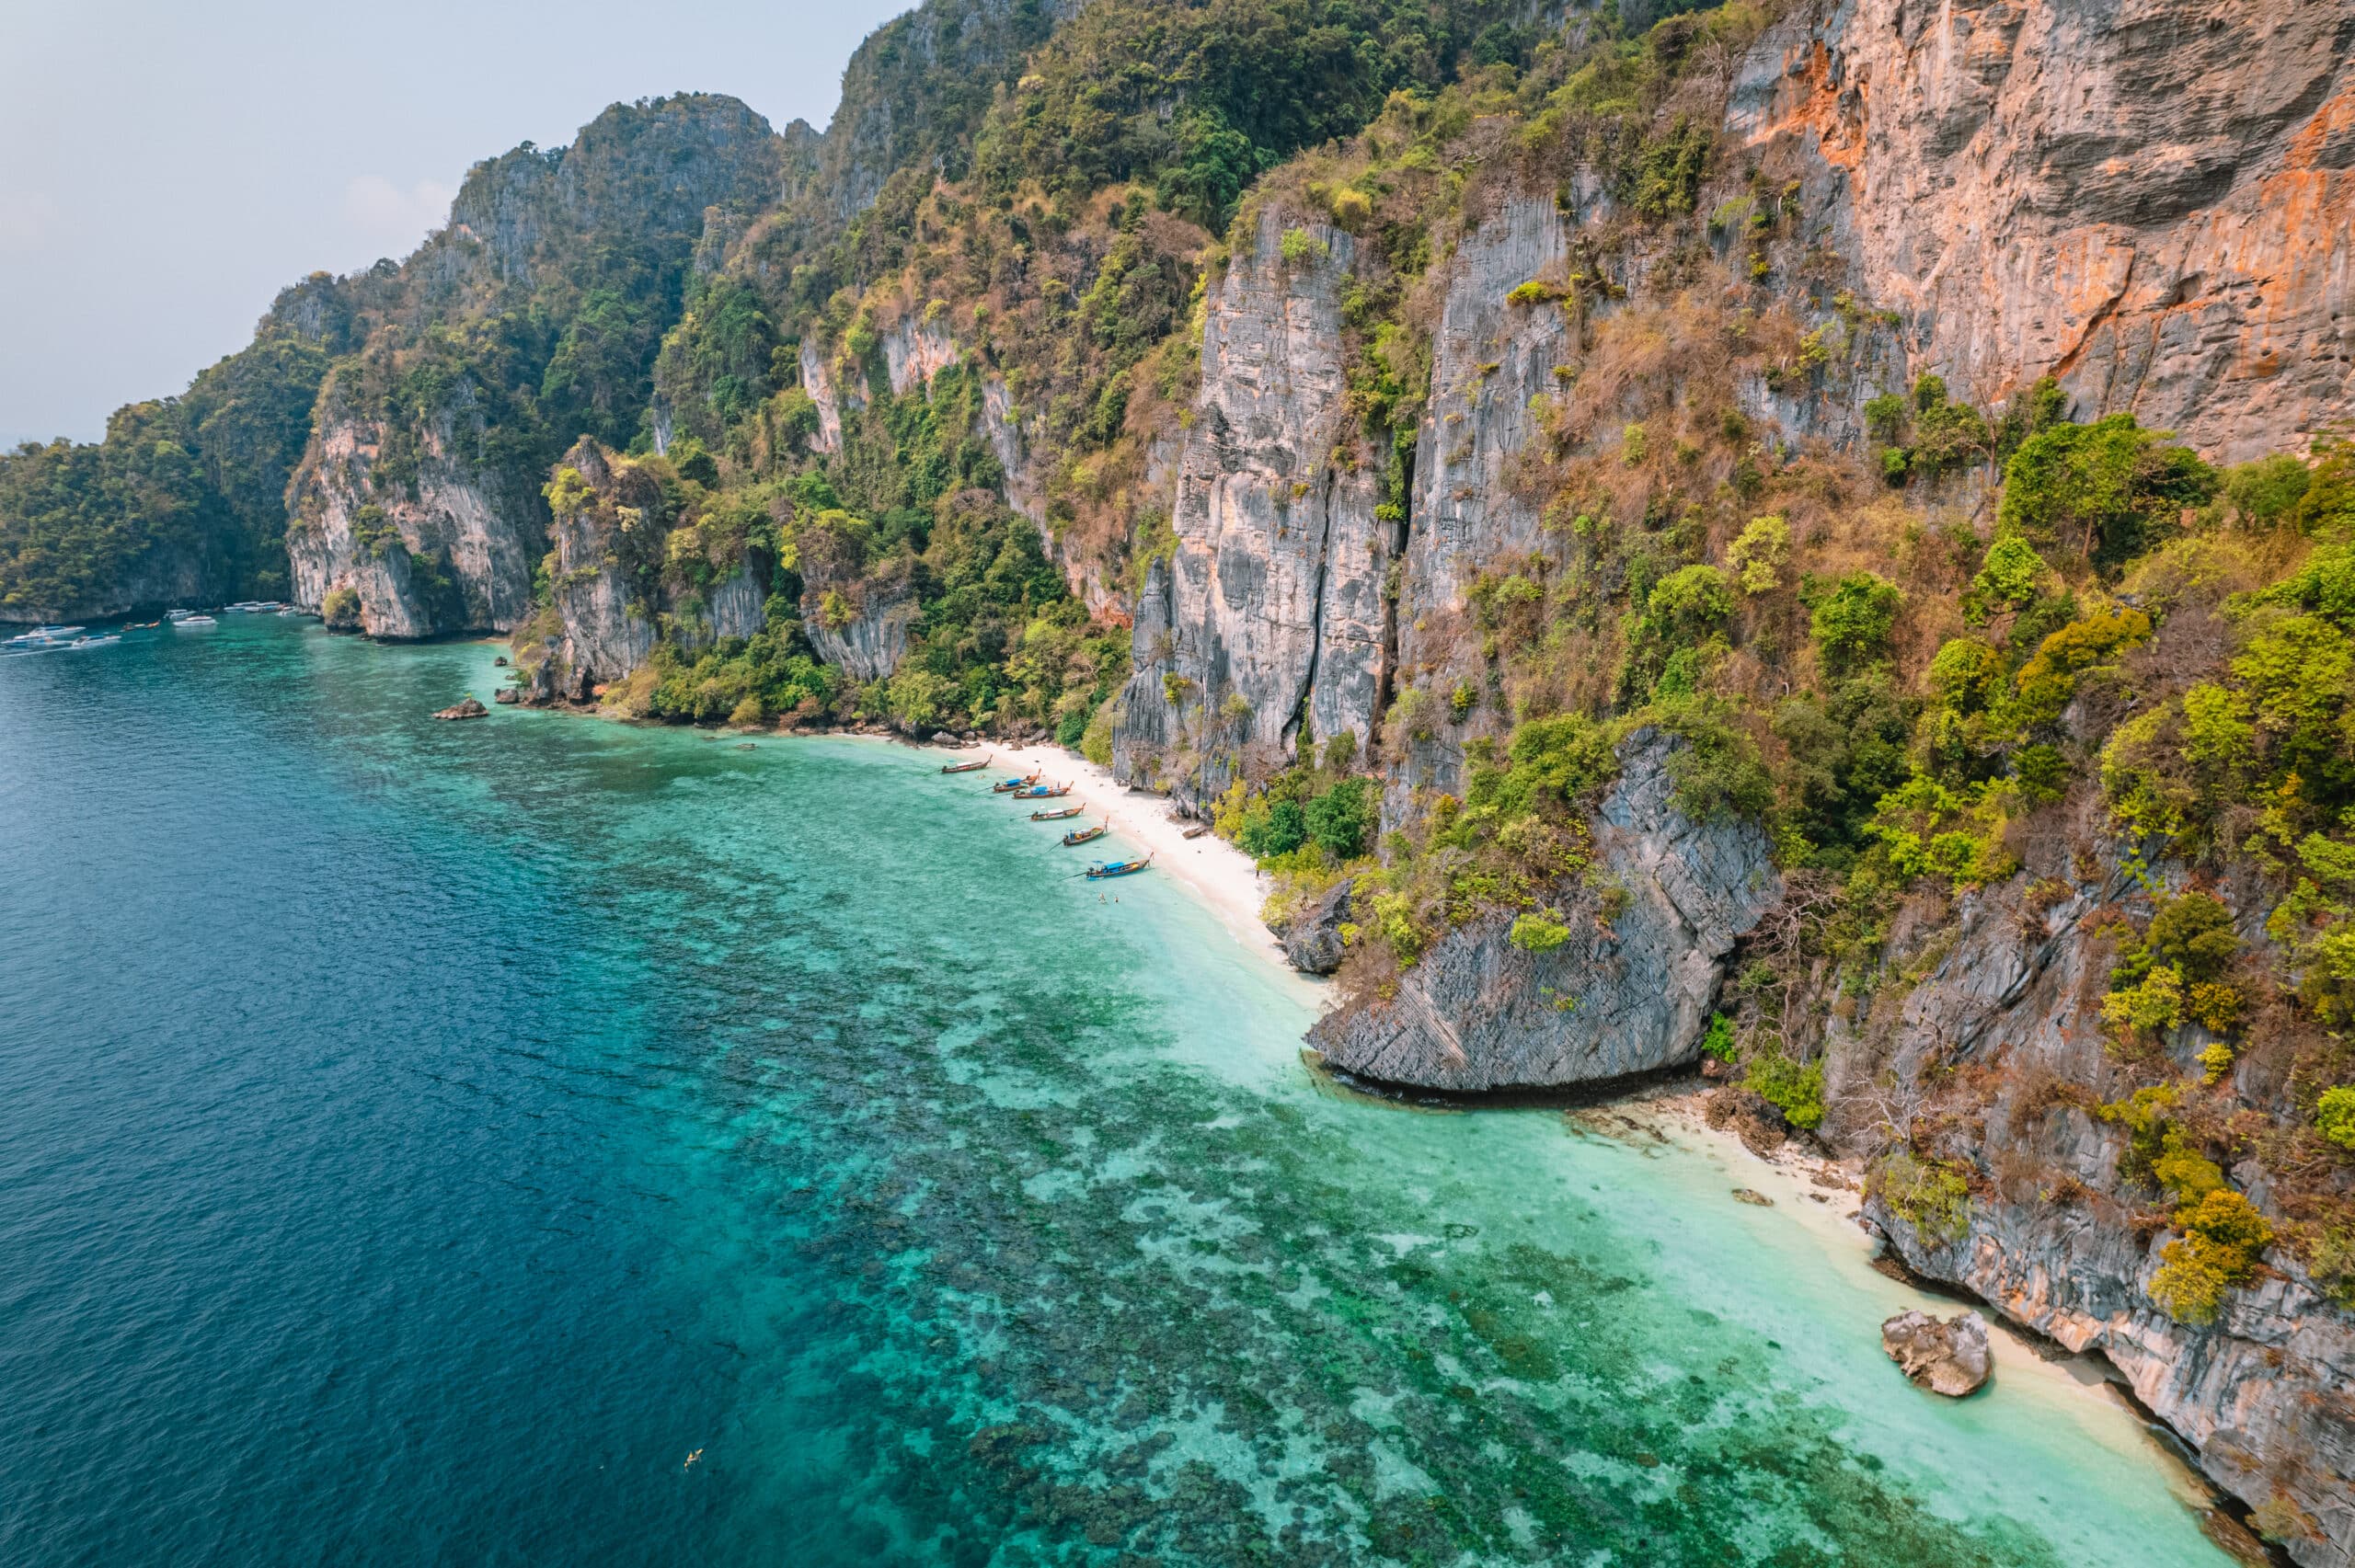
[{"x": 1219, "y": 875}]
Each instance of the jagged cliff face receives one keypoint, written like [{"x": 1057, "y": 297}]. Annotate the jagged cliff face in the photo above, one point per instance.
[
  {"x": 2149, "y": 199},
  {"x": 2055, "y": 1237},
  {"x": 1630, "y": 992},
  {"x": 614, "y": 584},
  {"x": 450, "y": 552},
  {"x": 1269, "y": 616},
  {"x": 445, "y": 538}
]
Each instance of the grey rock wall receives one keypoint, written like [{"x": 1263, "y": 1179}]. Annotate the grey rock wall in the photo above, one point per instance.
[
  {"x": 2262, "y": 1394},
  {"x": 484, "y": 538},
  {"x": 1271, "y": 613},
  {"x": 871, "y": 645},
  {"x": 1477, "y": 1013}
]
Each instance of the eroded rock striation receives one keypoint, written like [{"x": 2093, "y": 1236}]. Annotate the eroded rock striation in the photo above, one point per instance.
[
  {"x": 1268, "y": 616},
  {"x": 2155, "y": 202},
  {"x": 1652, "y": 926}
]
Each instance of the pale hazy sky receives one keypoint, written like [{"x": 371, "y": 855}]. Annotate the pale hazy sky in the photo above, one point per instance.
[{"x": 166, "y": 165}]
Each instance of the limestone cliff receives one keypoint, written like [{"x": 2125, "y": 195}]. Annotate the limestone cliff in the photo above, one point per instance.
[
  {"x": 618, "y": 579},
  {"x": 1652, "y": 926},
  {"x": 450, "y": 549},
  {"x": 1270, "y": 614},
  {"x": 1999, "y": 1043},
  {"x": 2152, "y": 200}
]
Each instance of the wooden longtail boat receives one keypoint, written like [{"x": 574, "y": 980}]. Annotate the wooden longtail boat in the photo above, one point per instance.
[
  {"x": 1007, "y": 786},
  {"x": 965, "y": 767},
  {"x": 1042, "y": 792},
  {"x": 1057, "y": 815},
  {"x": 1085, "y": 835},
  {"x": 1196, "y": 832},
  {"x": 1120, "y": 867}
]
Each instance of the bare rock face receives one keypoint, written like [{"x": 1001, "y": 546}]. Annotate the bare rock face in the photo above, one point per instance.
[
  {"x": 1270, "y": 614},
  {"x": 1624, "y": 996},
  {"x": 2152, "y": 199},
  {"x": 606, "y": 635},
  {"x": 871, "y": 643},
  {"x": 451, "y": 553},
  {"x": 1950, "y": 1358},
  {"x": 1489, "y": 358}
]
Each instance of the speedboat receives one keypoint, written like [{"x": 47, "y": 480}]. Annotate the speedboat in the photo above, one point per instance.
[
  {"x": 104, "y": 639},
  {"x": 194, "y": 623},
  {"x": 178, "y": 614},
  {"x": 41, "y": 639}
]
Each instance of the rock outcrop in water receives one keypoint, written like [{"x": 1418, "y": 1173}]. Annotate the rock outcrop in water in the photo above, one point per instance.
[
  {"x": 1950, "y": 1358},
  {"x": 1629, "y": 992}
]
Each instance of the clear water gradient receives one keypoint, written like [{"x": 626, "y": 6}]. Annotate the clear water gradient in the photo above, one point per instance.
[{"x": 418, "y": 1139}]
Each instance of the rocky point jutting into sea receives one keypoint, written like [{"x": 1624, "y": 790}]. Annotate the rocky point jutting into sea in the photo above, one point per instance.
[{"x": 1815, "y": 540}]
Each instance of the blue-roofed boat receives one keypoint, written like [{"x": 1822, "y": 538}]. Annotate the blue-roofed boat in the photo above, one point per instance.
[{"x": 1120, "y": 867}]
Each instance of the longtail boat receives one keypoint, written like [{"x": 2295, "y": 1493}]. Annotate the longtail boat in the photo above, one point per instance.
[
  {"x": 1042, "y": 792},
  {"x": 1085, "y": 835},
  {"x": 965, "y": 767},
  {"x": 1196, "y": 832},
  {"x": 1120, "y": 867},
  {"x": 1006, "y": 787},
  {"x": 1057, "y": 816}
]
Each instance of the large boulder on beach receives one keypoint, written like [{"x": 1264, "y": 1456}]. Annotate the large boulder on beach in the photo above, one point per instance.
[
  {"x": 1312, "y": 934},
  {"x": 1950, "y": 1358}
]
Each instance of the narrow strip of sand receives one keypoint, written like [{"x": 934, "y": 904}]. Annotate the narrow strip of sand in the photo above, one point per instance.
[{"x": 1219, "y": 875}]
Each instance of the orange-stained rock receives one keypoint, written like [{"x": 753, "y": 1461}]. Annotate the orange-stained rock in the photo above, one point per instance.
[{"x": 2152, "y": 199}]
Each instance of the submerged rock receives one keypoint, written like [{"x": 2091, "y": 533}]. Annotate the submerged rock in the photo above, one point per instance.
[
  {"x": 1950, "y": 1358},
  {"x": 466, "y": 708},
  {"x": 1753, "y": 1196}
]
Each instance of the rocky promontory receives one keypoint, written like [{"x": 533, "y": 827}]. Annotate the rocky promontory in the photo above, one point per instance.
[{"x": 1652, "y": 926}]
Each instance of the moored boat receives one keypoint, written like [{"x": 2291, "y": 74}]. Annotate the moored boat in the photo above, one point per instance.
[
  {"x": 1118, "y": 867},
  {"x": 1056, "y": 816},
  {"x": 1086, "y": 835},
  {"x": 195, "y": 622},
  {"x": 43, "y": 637},
  {"x": 1042, "y": 792},
  {"x": 965, "y": 767},
  {"x": 1008, "y": 786}
]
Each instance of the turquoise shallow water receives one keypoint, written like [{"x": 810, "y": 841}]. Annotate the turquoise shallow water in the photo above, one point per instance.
[{"x": 417, "y": 1140}]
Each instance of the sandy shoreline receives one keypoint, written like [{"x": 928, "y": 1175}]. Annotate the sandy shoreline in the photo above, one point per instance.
[
  {"x": 1216, "y": 872},
  {"x": 1823, "y": 1198}
]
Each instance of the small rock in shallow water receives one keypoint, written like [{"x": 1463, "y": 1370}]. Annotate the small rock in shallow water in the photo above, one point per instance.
[
  {"x": 1745, "y": 1194},
  {"x": 1950, "y": 1358},
  {"x": 506, "y": 696},
  {"x": 466, "y": 708}
]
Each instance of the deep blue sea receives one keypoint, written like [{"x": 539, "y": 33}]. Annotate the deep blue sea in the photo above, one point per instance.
[{"x": 542, "y": 1140}]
